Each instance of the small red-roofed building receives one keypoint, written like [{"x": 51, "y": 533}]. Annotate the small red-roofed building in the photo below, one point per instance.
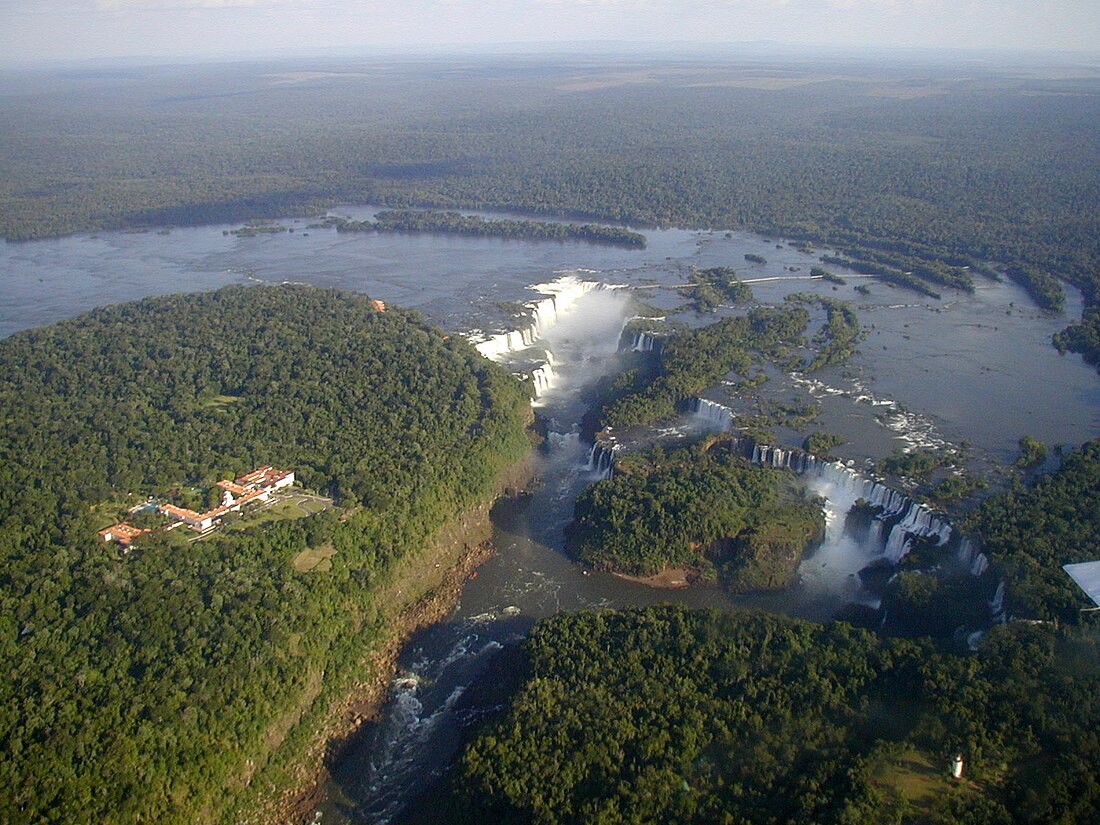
[
  {"x": 234, "y": 488},
  {"x": 379, "y": 305},
  {"x": 123, "y": 533},
  {"x": 196, "y": 521},
  {"x": 267, "y": 478}
]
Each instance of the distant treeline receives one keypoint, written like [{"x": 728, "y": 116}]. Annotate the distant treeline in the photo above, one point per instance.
[
  {"x": 993, "y": 170},
  {"x": 455, "y": 223}
]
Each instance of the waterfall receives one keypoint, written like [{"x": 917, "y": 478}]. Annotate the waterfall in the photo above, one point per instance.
[
  {"x": 972, "y": 559},
  {"x": 713, "y": 414},
  {"x": 997, "y": 610},
  {"x": 601, "y": 459},
  {"x": 560, "y": 296},
  {"x": 544, "y": 377},
  {"x": 900, "y": 519},
  {"x": 644, "y": 342},
  {"x": 905, "y": 518}
]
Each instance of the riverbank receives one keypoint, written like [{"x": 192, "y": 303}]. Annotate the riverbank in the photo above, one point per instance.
[
  {"x": 422, "y": 590},
  {"x": 676, "y": 578}
]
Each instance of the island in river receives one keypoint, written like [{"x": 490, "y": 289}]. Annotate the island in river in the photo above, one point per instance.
[
  {"x": 455, "y": 223},
  {"x": 708, "y": 514}
]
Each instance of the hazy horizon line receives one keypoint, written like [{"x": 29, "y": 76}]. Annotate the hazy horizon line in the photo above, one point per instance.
[{"x": 551, "y": 48}]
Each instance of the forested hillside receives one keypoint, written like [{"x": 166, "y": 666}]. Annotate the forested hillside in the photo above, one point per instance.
[
  {"x": 153, "y": 687},
  {"x": 672, "y": 715}
]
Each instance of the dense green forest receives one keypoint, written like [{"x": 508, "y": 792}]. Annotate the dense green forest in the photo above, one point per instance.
[
  {"x": 154, "y": 687},
  {"x": 672, "y": 715},
  {"x": 418, "y": 220},
  {"x": 712, "y": 513}
]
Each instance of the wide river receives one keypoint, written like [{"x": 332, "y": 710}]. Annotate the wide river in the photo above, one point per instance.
[{"x": 973, "y": 368}]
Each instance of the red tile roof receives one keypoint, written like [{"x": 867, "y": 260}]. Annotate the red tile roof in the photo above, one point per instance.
[
  {"x": 122, "y": 532},
  {"x": 233, "y": 487}
]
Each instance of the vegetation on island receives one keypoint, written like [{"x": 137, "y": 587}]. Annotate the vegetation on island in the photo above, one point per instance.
[
  {"x": 1082, "y": 338},
  {"x": 917, "y": 464},
  {"x": 671, "y": 715},
  {"x": 901, "y": 267},
  {"x": 455, "y": 223},
  {"x": 1042, "y": 286},
  {"x": 825, "y": 275},
  {"x": 1033, "y": 453},
  {"x": 179, "y": 682},
  {"x": 837, "y": 339},
  {"x": 656, "y": 385},
  {"x": 882, "y": 272},
  {"x": 821, "y": 444},
  {"x": 257, "y": 227},
  {"x": 711, "y": 512},
  {"x": 954, "y": 488},
  {"x": 692, "y": 360},
  {"x": 717, "y": 286}
]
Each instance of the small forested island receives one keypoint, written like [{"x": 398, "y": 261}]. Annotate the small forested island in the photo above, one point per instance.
[
  {"x": 661, "y": 380},
  {"x": 692, "y": 360},
  {"x": 673, "y": 715},
  {"x": 837, "y": 339},
  {"x": 716, "y": 286},
  {"x": 1082, "y": 338},
  {"x": 455, "y": 223},
  {"x": 707, "y": 513},
  {"x": 189, "y": 681}
]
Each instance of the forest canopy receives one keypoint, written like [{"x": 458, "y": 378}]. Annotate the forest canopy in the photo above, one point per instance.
[
  {"x": 455, "y": 223},
  {"x": 672, "y": 715},
  {"x": 142, "y": 687},
  {"x": 1029, "y": 533}
]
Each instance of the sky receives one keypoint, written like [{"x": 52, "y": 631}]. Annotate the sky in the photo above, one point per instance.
[{"x": 34, "y": 30}]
